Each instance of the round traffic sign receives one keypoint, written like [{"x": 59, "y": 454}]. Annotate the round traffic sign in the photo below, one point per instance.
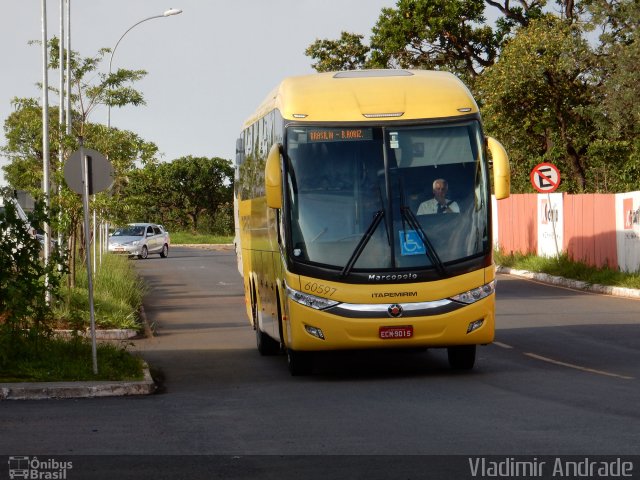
[
  {"x": 545, "y": 177},
  {"x": 100, "y": 172}
]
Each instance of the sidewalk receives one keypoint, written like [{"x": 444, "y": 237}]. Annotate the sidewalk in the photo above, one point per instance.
[
  {"x": 50, "y": 390},
  {"x": 573, "y": 284}
]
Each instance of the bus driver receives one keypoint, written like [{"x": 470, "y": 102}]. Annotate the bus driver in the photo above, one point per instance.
[{"x": 439, "y": 203}]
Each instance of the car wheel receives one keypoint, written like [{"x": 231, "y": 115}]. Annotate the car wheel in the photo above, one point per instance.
[
  {"x": 462, "y": 357},
  {"x": 165, "y": 251},
  {"x": 299, "y": 363},
  {"x": 144, "y": 253}
]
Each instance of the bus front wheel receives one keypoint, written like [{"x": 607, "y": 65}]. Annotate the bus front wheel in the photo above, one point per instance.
[
  {"x": 266, "y": 345},
  {"x": 462, "y": 357},
  {"x": 299, "y": 363}
]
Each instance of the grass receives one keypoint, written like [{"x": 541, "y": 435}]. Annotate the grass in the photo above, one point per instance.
[
  {"x": 187, "y": 238},
  {"x": 563, "y": 266},
  {"x": 117, "y": 296},
  {"x": 51, "y": 359},
  {"x": 26, "y": 356}
]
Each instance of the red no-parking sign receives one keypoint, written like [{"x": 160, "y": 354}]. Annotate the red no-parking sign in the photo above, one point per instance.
[{"x": 545, "y": 177}]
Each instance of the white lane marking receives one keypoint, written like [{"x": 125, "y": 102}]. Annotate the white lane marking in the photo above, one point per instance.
[
  {"x": 577, "y": 367},
  {"x": 502, "y": 345}
]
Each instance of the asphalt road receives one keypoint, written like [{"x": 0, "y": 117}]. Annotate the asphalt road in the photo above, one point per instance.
[{"x": 562, "y": 378}]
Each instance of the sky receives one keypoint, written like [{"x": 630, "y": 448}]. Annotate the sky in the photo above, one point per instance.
[{"x": 208, "y": 68}]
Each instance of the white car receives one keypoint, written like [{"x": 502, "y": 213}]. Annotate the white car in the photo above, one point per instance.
[{"x": 140, "y": 239}]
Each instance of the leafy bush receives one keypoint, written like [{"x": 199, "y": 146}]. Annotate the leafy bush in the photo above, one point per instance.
[{"x": 25, "y": 281}]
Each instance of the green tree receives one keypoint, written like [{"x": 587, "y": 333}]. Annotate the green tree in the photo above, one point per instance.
[
  {"x": 90, "y": 88},
  {"x": 346, "y": 53},
  {"x": 182, "y": 192},
  {"x": 538, "y": 98},
  {"x": 428, "y": 34},
  {"x": 615, "y": 153},
  {"x": 435, "y": 34}
]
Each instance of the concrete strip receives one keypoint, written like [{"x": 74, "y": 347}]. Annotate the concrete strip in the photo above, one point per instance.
[
  {"x": 207, "y": 246},
  {"x": 51, "y": 390},
  {"x": 102, "y": 334},
  {"x": 573, "y": 284}
]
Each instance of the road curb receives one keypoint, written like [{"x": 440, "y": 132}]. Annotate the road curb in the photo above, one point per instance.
[
  {"x": 206, "y": 246},
  {"x": 101, "y": 334},
  {"x": 573, "y": 284},
  {"x": 59, "y": 390}
]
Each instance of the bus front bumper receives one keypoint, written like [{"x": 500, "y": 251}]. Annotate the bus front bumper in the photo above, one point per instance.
[{"x": 441, "y": 325}]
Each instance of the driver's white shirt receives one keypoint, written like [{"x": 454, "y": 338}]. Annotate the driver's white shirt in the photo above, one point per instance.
[{"x": 431, "y": 206}]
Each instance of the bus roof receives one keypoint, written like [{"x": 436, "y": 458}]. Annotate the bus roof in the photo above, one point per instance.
[{"x": 368, "y": 95}]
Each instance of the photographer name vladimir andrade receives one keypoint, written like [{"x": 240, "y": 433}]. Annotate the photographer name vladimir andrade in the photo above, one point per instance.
[{"x": 551, "y": 467}]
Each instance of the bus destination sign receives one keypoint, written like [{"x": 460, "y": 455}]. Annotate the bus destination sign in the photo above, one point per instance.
[{"x": 339, "y": 134}]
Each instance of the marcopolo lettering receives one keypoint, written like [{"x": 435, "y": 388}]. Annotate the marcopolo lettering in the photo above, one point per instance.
[{"x": 392, "y": 277}]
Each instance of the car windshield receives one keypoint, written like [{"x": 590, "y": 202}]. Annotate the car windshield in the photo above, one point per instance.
[
  {"x": 129, "y": 231},
  {"x": 375, "y": 198}
]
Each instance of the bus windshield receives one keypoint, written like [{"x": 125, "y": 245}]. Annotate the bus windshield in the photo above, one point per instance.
[{"x": 375, "y": 198}]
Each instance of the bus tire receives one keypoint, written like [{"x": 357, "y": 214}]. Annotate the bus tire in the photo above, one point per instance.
[
  {"x": 462, "y": 357},
  {"x": 266, "y": 345},
  {"x": 299, "y": 363}
]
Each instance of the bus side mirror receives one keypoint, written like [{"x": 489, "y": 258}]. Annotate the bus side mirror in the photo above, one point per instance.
[
  {"x": 273, "y": 177},
  {"x": 501, "y": 174}
]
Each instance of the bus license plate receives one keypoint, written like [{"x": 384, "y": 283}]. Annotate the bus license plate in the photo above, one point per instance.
[{"x": 401, "y": 331}]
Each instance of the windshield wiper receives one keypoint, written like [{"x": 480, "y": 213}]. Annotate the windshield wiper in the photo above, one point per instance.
[{"x": 377, "y": 218}]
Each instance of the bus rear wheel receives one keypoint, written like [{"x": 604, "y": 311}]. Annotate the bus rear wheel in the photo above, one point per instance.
[
  {"x": 462, "y": 357},
  {"x": 299, "y": 363}
]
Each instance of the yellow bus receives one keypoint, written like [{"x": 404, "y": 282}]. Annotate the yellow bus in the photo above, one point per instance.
[{"x": 338, "y": 238}]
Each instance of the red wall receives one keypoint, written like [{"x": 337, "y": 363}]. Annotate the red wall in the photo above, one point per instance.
[
  {"x": 590, "y": 229},
  {"x": 518, "y": 224}
]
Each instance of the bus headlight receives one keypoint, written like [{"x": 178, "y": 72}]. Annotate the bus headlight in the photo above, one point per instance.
[
  {"x": 309, "y": 300},
  {"x": 472, "y": 296}
]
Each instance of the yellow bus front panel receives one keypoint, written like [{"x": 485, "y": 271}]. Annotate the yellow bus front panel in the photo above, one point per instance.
[
  {"x": 401, "y": 315},
  {"x": 443, "y": 330}
]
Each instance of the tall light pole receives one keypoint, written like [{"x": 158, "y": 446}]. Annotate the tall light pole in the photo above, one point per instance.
[
  {"x": 68, "y": 67},
  {"x": 168, "y": 13},
  {"x": 45, "y": 141}
]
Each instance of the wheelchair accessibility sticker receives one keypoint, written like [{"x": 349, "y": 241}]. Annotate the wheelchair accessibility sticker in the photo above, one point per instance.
[{"x": 411, "y": 243}]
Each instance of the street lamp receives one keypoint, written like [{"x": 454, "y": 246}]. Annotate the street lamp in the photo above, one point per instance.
[{"x": 168, "y": 13}]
